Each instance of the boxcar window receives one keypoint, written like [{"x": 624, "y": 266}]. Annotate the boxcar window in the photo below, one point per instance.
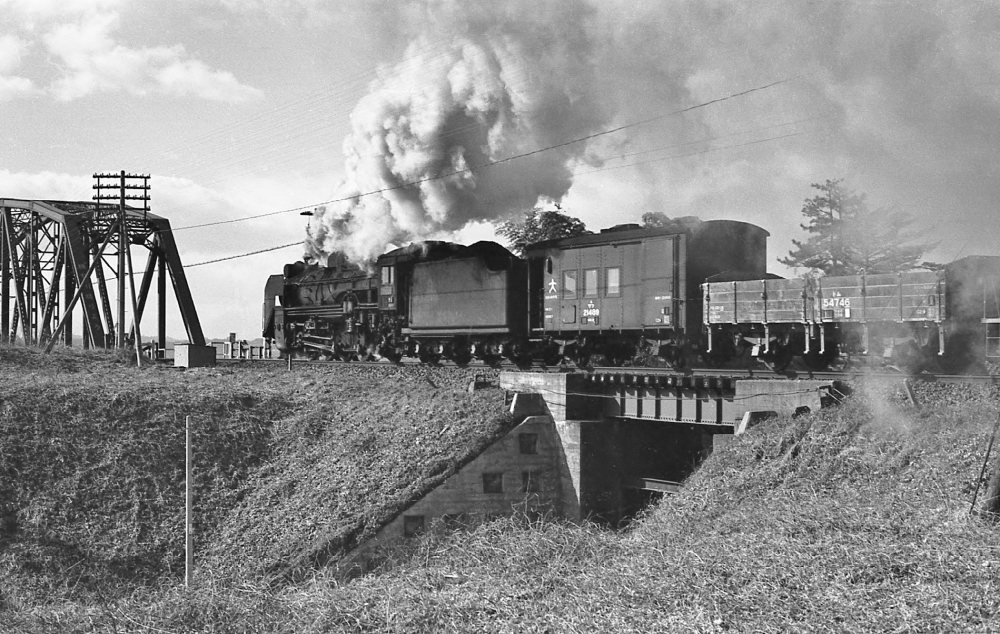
[
  {"x": 614, "y": 281},
  {"x": 387, "y": 275},
  {"x": 590, "y": 283},
  {"x": 569, "y": 284},
  {"x": 548, "y": 265}
]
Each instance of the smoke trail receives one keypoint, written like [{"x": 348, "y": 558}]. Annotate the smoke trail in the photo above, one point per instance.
[{"x": 504, "y": 86}]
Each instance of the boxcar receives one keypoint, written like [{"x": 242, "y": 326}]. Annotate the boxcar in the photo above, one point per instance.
[{"x": 629, "y": 291}]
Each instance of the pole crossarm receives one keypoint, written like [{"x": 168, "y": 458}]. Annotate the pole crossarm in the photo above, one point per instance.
[{"x": 55, "y": 256}]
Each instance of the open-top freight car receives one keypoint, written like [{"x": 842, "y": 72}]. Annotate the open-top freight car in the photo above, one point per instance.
[{"x": 914, "y": 320}]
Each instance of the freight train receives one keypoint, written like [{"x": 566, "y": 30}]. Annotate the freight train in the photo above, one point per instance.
[{"x": 690, "y": 292}]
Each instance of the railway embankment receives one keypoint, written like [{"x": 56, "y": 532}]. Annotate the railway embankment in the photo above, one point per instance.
[
  {"x": 291, "y": 468},
  {"x": 849, "y": 519}
]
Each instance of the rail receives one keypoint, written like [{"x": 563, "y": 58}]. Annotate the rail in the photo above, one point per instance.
[{"x": 607, "y": 373}]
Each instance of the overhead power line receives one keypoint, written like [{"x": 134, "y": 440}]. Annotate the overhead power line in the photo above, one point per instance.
[
  {"x": 705, "y": 151},
  {"x": 498, "y": 161},
  {"x": 600, "y": 169},
  {"x": 243, "y": 255}
]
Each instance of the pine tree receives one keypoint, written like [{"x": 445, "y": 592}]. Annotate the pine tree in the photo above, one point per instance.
[
  {"x": 848, "y": 237},
  {"x": 538, "y": 226}
]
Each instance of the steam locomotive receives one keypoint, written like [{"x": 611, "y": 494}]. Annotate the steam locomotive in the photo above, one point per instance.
[{"x": 691, "y": 292}]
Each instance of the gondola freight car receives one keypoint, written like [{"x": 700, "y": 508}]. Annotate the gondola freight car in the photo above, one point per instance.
[{"x": 914, "y": 320}]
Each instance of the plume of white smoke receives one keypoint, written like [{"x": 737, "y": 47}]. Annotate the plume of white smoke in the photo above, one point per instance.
[
  {"x": 899, "y": 99},
  {"x": 418, "y": 162}
]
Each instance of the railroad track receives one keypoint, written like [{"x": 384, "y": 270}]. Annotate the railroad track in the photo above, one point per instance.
[{"x": 738, "y": 373}]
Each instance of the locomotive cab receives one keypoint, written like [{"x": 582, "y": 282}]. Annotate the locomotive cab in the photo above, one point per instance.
[{"x": 273, "y": 322}]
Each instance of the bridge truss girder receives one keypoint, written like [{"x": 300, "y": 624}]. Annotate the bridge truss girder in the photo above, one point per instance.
[{"x": 56, "y": 258}]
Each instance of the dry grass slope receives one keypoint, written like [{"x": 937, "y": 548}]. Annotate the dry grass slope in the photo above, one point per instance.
[
  {"x": 853, "y": 519},
  {"x": 848, "y": 520},
  {"x": 291, "y": 468}
]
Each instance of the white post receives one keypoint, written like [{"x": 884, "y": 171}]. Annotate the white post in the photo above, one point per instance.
[{"x": 189, "y": 503}]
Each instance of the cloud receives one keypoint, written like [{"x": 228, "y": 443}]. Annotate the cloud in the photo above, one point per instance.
[
  {"x": 192, "y": 77},
  {"x": 94, "y": 62},
  {"x": 11, "y": 51},
  {"x": 45, "y": 185},
  {"x": 47, "y": 9}
]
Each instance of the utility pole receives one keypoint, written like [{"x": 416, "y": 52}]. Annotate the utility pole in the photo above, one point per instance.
[{"x": 125, "y": 183}]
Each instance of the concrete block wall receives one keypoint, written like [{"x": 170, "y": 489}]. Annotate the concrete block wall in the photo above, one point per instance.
[
  {"x": 466, "y": 495},
  {"x": 762, "y": 396},
  {"x": 566, "y": 395}
]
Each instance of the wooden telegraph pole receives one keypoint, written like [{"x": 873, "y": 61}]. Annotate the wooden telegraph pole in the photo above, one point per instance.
[{"x": 125, "y": 183}]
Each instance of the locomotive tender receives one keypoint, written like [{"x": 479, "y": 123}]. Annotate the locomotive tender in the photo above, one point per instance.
[{"x": 690, "y": 291}]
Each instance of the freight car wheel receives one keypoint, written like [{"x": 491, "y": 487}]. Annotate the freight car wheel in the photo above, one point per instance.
[
  {"x": 817, "y": 361},
  {"x": 429, "y": 358},
  {"x": 780, "y": 358},
  {"x": 461, "y": 352}
]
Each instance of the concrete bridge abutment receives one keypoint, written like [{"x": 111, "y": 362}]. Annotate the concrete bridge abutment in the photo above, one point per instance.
[{"x": 627, "y": 438}]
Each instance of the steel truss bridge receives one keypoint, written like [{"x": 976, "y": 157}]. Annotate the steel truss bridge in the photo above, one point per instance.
[{"x": 58, "y": 257}]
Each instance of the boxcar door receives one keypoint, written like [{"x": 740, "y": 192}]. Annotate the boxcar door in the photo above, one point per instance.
[
  {"x": 659, "y": 284},
  {"x": 591, "y": 316},
  {"x": 570, "y": 289},
  {"x": 611, "y": 280},
  {"x": 537, "y": 285}
]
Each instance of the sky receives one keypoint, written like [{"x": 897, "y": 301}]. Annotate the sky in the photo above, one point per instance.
[{"x": 401, "y": 121}]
